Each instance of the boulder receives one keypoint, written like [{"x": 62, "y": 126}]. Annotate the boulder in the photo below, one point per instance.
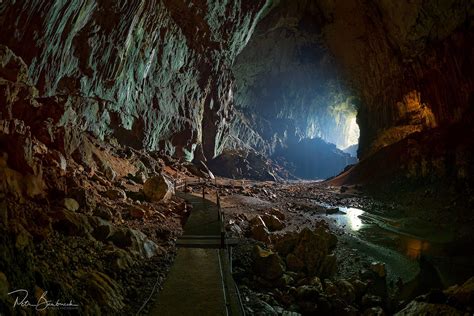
[
  {"x": 71, "y": 204},
  {"x": 134, "y": 241},
  {"x": 158, "y": 188},
  {"x": 272, "y": 222},
  {"x": 311, "y": 248},
  {"x": 258, "y": 230},
  {"x": 268, "y": 264},
  {"x": 287, "y": 243}
]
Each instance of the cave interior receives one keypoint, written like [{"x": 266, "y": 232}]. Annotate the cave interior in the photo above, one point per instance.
[{"x": 242, "y": 157}]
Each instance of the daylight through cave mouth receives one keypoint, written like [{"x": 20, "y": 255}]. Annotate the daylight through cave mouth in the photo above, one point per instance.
[{"x": 294, "y": 96}]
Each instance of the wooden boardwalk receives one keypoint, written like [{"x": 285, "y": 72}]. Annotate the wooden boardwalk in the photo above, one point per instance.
[{"x": 200, "y": 280}]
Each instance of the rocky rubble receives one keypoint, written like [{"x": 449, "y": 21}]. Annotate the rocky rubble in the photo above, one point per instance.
[
  {"x": 308, "y": 267},
  {"x": 271, "y": 285}
]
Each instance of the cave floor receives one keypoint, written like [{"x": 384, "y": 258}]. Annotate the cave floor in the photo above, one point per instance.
[{"x": 368, "y": 230}]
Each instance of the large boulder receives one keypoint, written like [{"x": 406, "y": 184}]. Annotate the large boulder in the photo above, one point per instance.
[
  {"x": 272, "y": 222},
  {"x": 258, "y": 230},
  {"x": 268, "y": 264},
  {"x": 158, "y": 188},
  {"x": 309, "y": 250}
]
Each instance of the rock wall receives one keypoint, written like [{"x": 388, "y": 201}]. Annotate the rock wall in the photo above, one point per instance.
[
  {"x": 410, "y": 61},
  {"x": 405, "y": 66},
  {"x": 151, "y": 74}
]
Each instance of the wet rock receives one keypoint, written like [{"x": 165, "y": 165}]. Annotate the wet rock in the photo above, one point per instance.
[
  {"x": 272, "y": 222},
  {"x": 116, "y": 194},
  {"x": 158, "y": 188},
  {"x": 240, "y": 164},
  {"x": 71, "y": 204},
  {"x": 308, "y": 306},
  {"x": 267, "y": 264}
]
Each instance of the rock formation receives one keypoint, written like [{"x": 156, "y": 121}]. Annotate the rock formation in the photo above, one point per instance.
[
  {"x": 101, "y": 101},
  {"x": 152, "y": 74}
]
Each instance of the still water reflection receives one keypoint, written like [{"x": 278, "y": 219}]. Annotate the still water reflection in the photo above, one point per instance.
[{"x": 351, "y": 218}]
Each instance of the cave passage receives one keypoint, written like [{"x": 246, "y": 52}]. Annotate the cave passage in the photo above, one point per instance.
[{"x": 243, "y": 157}]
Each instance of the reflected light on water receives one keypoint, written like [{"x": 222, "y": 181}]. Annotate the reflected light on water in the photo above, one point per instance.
[{"x": 353, "y": 219}]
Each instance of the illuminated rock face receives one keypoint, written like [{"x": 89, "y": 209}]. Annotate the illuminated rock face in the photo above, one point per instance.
[
  {"x": 409, "y": 65},
  {"x": 152, "y": 74},
  {"x": 160, "y": 74},
  {"x": 410, "y": 61}
]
